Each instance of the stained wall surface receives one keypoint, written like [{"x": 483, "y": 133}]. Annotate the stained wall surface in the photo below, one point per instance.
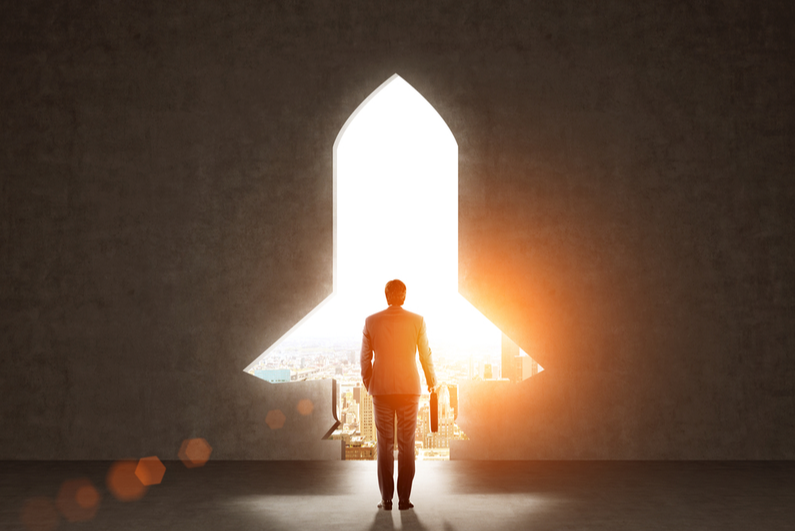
[{"x": 625, "y": 215}]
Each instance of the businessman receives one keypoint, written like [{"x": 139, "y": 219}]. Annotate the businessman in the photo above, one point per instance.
[{"x": 390, "y": 342}]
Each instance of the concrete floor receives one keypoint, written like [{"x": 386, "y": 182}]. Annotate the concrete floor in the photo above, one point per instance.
[{"x": 455, "y": 495}]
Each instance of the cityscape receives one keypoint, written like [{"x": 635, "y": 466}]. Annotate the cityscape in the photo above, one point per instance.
[{"x": 315, "y": 358}]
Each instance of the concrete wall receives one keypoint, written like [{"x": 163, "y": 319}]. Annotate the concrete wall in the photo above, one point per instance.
[{"x": 626, "y": 189}]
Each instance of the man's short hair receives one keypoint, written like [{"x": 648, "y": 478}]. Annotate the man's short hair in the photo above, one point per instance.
[{"x": 395, "y": 292}]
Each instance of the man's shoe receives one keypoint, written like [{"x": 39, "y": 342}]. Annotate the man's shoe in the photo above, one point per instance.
[
  {"x": 405, "y": 505},
  {"x": 385, "y": 505}
]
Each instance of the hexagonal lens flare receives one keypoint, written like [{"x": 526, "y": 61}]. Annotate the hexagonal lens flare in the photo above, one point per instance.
[
  {"x": 195, "y": 452},
  {"x": 150, "y": 471},
  {"x": 275, "y": 419},
  {"x": 123, "y": 483}
]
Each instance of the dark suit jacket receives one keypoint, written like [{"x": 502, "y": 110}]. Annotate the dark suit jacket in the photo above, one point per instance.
[{"x": 390, "y": 341}]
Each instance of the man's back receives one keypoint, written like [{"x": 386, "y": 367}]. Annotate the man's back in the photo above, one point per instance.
[{"x": 391, "y": 339}]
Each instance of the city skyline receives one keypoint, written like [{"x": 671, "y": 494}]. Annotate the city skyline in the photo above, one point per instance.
[{"x": 309, "y": 358}]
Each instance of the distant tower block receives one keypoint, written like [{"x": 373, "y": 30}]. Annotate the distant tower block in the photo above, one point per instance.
[
  {"x": 524, "y": 368},
  {"x": 507, "y": 364},
  {"x": 366, "y": 416},
  {"x": 453, "y": 389},
  {"x": 487, "y": 374}
]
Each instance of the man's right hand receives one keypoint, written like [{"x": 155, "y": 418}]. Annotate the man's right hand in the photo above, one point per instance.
[{"x": 434, "y": 388}]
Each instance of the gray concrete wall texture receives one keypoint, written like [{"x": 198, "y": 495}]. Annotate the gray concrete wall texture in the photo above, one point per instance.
[{"x": 626, "y": 194}]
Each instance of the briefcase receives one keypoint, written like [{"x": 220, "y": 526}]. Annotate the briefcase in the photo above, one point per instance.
[{"x": 434, "y": 412}]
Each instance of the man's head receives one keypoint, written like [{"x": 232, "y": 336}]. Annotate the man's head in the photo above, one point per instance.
[{"x": 395, "y": 292}]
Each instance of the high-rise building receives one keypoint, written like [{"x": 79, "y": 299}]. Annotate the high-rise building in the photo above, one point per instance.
[
  {"x": 524, "y": 368},
  {"x": 453, "y": 390},
  {"x": 352, "y": 413},
  {"x": 509, "y": 351},
  {"x": 487, "y": 374},
  {"x": 446, "y": 426},
  {"x": 366, "y": 416},
  {"x": 423, "y": 422}
]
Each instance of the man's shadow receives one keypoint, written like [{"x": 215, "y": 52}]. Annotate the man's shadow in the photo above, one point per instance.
[
  {"x": 408, "y": 520},
  {"x": 383, "y": 520}
]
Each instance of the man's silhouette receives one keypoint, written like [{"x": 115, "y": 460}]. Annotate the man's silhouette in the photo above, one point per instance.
[{"x": 390, "y": 342}]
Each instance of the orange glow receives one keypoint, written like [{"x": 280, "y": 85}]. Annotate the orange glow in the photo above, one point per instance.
[
  {"x": 305, "y": 407},
  {"x": 195, "y": 452},
  {"x": 275, "y": 419},
  {"x": 150, "y": 470},
  {"x": 77, "y": 500},
  {"x": 39, "y": 514},
  {"x": 184, "y": 456},
  {"x": 87, "y": 497},
  {"x": 123, "y": 483}
]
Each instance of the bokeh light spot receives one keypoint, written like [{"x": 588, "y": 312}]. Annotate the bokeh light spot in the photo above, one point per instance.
[
  {"x": 77, "y": 500},
  {"x": 87, "y": 497},
  {"x": 39, "y": 514},
  {"x": 123, "y": 483},
  {"x": 275, "y": 419},
  {"x": 150, "y": 470},
  {"x": 305, "y": 407},
  {"x": 183, "y": 456},
  {"x": 195, "y": 452}
]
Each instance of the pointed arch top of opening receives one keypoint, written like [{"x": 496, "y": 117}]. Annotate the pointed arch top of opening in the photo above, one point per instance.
[
  {"x": 395, "y": 82},
  {"x": 407, "y": 161}
]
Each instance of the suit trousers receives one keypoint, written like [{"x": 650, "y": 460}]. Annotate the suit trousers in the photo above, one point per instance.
[{"x": 385, "y": 407}]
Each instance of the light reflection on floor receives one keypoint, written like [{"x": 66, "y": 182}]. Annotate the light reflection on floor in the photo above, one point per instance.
[
  {"x": 346, "y": 512},
  {"x": 449, "y": 496},
  {"x": 439, "y": 504}
]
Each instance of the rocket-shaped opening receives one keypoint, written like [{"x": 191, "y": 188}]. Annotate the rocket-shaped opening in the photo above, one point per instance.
[{"x": 395, "y": 216}]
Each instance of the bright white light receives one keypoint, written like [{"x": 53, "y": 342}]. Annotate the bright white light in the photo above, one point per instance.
[{"x": 396, "y": 216}]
